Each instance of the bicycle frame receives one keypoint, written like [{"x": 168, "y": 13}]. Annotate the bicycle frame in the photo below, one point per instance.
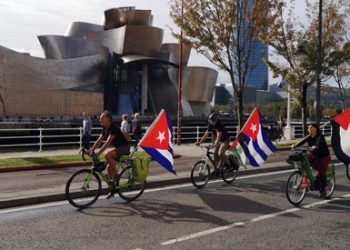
[
  {"x": 104, "y": 176},
  {"x": 207, "y": 156},
  {"x": 304, "y": 166}
]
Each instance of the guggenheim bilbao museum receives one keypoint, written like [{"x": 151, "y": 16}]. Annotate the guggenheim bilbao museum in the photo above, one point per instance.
[{"x": 121, "y": 66}]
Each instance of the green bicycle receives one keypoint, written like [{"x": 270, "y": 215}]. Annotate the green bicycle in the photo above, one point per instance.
[
  {"x": 84, "y": 187},
  {"x": 296, "y": 188}
]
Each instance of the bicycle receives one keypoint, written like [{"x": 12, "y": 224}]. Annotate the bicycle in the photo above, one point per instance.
[
  {"x": 200, "y": 173},
  {"x": 302, "y": 179},
  {"x": 84, "y": 187}
]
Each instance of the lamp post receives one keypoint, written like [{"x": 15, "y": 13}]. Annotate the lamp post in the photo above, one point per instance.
[
  {"x": 179, "y": 100},
  {"x": 288, "y": 129},
  {"x": 319, "y": 65}
]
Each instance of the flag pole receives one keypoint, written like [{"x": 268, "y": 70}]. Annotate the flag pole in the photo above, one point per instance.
[{"x": 303, "y": 140}]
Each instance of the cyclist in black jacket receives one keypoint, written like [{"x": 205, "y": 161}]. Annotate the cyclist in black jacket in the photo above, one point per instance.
[{"x": 222, "y": 139}]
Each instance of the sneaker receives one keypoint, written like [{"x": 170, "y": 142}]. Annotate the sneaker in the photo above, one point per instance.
[
  {"x": 110, "y": 195},
  {"x": 323, "y": 195},
  {"x": 112, "y": 190}
]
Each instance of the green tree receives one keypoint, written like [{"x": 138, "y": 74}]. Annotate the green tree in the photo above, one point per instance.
[
  {"x": 285, "y": 34},
  {"x": 225, "y": 32}
]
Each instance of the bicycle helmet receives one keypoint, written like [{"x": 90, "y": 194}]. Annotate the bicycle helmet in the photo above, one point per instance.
[{"x": 213, "y": 117}]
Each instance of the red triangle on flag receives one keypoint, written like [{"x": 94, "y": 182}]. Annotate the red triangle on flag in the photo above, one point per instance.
[
  {"x": 158, "y": 135},
  {"x": 252, "y": 125},
  {"x": 343, "y": 119}
]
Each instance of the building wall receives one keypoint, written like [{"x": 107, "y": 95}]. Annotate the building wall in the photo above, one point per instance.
[{"x": 30, "y": 102}]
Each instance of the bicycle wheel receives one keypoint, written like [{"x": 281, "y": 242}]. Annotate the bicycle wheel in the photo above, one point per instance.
[
  {"x": 83, "y": 188},
  {"x": 348, "y": 171},
  {"x": 127, "y": 187},
  {"x": 330, "y": 186},
  {"x": 295, "y": 194},
  {"x": 228, "y": 173},
  {"x": 200, "y": 174}
]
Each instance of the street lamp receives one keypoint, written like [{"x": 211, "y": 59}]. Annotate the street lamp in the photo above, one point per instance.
[
  {"x": 179, "y": 100},
  {"x": 287, "y": 130},
  {"x": 319, "y": 65}
]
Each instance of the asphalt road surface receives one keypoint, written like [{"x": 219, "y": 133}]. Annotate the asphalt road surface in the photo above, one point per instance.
[{"x": 253, "y": 213}]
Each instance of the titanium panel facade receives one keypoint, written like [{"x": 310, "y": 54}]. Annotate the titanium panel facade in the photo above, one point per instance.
[
  {"x": 130, "y": 40},
  {"x": 115, "y": 18},
  {"x": 79, "y": 29},
  {"x": 63, "y": 47}
]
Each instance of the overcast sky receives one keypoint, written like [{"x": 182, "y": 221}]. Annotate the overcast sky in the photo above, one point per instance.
[{"x": 21, "y": 21}]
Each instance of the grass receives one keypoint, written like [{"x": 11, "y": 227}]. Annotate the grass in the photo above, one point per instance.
[{"x": 37, "y": 161}]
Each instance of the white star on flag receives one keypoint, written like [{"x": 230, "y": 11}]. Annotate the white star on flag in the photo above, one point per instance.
[
  {"x": 161, "y": 136},
  {"x": 253, "y": 128}
]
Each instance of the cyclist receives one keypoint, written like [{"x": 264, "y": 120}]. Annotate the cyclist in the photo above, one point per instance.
[
  {"x": 222, "y": 139},
  {"x": 319, "y": 157},
  {"x": 112, "y": 136}
]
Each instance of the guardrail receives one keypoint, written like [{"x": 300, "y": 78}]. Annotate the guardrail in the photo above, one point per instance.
[{"x": 41, "y": 137}]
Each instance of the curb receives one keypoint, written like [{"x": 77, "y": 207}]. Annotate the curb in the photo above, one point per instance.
[{"x": 41, "y": 167}]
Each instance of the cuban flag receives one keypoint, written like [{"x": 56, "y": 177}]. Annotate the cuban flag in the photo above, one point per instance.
[
  {"x": 158, "y": 141},
  {"x": 252, "y": 145},
  {"x": 341, "y": 136}
]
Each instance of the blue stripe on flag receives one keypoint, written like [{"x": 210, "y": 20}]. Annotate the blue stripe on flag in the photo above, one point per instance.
[
  {"x": 170, "y": 125},
  {"x": 267, "y": 140},
  {"x": 259, "y": 150},
  {"x": 251, "y": 159},
  {"x": 154, "y": 153}
]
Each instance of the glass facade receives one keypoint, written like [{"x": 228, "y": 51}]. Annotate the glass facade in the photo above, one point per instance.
[{"x": 259, "y": 76}]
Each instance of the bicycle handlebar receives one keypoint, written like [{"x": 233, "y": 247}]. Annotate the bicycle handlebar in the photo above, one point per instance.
[
  {"x": 303, "y": 149},
  {"x": 84, "y": 151}
]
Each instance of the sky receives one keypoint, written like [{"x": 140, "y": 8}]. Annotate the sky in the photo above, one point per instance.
[{"x": 21, "y": 21}]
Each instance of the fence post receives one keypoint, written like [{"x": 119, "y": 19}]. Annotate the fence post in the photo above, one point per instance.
[
  {"x": 81, "y": 137},
  {"x": 40, "y": 139},
  {"x": 174, "y": 135},
  {"x": 197, "y": 134}
]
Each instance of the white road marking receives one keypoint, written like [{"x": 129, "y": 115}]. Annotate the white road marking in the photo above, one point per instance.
[
  {"x": 25, "y": 208},
  {"x": 199, "y": 234},
  {"x": 256, "y": 219}
]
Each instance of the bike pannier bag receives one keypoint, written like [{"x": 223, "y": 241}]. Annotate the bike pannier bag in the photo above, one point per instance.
[{"x": 140, "y": 167}]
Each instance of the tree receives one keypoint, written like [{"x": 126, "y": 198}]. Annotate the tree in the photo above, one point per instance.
[
  {"x": 286, "y": 34},
  {"x": 224, "y": 32}
]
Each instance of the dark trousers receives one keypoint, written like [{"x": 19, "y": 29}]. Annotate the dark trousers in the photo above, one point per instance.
[
  {"x": 136, "y": 140},
  {"x": 85, "y": 140},
  {"x": 321, "y": 164}
]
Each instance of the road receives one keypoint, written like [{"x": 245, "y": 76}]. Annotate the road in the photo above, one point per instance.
[{"x": 253, "y": 213}]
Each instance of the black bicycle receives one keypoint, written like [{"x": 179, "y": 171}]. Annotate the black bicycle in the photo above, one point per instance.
[{"x": 200, "y": 173}]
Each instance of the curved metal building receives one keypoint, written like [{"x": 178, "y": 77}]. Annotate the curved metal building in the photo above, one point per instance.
[{"x": 122, "y": 66}]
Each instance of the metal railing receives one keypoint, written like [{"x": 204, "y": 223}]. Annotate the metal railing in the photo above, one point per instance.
[{"x": 45, "y": 137}]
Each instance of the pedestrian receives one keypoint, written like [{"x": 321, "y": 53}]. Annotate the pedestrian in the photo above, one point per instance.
[
  {"x": 87, "y": 126},
  {"x": 125, "y": 127},
  {"x": 136, "y": 129}
]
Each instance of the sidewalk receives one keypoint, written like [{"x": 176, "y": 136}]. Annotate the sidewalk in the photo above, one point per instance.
[{"x": 183, "y": 150}]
